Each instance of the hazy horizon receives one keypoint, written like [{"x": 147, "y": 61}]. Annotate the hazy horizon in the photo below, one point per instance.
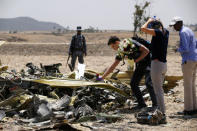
[{"x": 102, "y": 14}]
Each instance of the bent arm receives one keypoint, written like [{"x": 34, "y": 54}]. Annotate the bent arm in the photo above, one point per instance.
[
  {"x": 184, "y": 43},
  {"x": 111, "y": 68},
  {"x": 144, "y": 53},
  {"x": 147, "y": 30}
]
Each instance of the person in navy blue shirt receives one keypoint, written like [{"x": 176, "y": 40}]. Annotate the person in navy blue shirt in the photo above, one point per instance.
[
  {"x": 159, "y": 45},
  {"x": 188, "y": 50}
]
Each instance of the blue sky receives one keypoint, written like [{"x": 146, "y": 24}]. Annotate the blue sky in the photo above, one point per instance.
[{"x": 104, "y": 14}]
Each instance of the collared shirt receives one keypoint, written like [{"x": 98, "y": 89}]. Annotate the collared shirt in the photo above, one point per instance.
[{"x": 188, "y": 45}]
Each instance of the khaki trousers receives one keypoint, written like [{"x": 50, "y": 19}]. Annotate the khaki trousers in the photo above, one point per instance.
[
  {"x": 158, "y": 70},
  {"x": 189, "y": 77}
]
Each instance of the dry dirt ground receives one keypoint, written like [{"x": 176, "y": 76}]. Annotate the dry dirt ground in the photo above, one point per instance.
[{"x": 49, "y": 49}]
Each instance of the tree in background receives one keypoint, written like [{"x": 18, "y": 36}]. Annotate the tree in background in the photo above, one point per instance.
[
  {"x": 140, "y": 15},
  {"x": 66, "y": 30},
  {"x": 91, "y": 29}
]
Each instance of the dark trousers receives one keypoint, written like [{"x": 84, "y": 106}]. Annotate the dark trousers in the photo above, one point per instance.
[
  {"x": 74, "y": 56},
  {"x": 140, "y": 71}
]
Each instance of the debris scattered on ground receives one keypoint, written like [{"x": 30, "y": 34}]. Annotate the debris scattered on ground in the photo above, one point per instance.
[{"x": 41, "y": 96}]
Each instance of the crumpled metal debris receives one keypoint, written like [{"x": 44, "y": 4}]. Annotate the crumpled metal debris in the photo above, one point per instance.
[
  {"x": 42, "y": 95},
  {"x": 61, "y": 103},
  {"x": 72, "y": 83},
  {"x": 2, "y": 114},
  {"x": 2, "y": 42}
]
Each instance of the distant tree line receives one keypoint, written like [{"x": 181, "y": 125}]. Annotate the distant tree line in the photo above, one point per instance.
[
  {"x": 13, "y": 31},
  {"x": 59, "y": 31},
  {"x": 192, "y": 26}
]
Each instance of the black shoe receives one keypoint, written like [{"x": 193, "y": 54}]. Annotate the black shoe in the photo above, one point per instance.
[
  {"x": 180, "y": 113},
  {"x": 189, "y": 113},
  {"x": 194, "y": 112},
  {"x": 186, "y": 112}
]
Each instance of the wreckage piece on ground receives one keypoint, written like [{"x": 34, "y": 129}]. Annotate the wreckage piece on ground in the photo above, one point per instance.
[
  {"x": 71, "y": 83},
  {"x": 85, "y": 98},
  {"x": 21, "y": 103},
  {"x": 44, "y": 70}
]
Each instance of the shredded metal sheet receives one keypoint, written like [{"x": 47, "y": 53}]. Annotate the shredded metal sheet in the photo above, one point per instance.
[{"x": 70, "y": 83}]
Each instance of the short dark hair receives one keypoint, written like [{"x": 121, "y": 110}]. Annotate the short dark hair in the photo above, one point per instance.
[{"x": 112, "y": 40}]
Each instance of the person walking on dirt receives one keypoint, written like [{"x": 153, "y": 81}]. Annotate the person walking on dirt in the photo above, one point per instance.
[
  {"x": 131, "y": 49},
  {"x": 188, "y": 51},
  {"x": 159, "y": 44},
  {"x": 77, "y": 48}
]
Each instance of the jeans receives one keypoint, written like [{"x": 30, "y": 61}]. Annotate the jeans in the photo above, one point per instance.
[{"x": 140, "y": 71}]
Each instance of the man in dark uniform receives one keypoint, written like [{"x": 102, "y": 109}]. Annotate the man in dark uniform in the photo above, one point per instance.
[{"x": 77, "y": 48}]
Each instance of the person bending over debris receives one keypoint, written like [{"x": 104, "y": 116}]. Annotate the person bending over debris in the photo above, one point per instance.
[
  {"x": 132, "y": 49},
  {"x": 188, "y": 51},
  {"x": 159, "y": 46},
  {"x": 77, "y": 48}
]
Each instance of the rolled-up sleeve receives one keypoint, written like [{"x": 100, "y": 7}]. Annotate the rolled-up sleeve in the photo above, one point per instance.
[{"x": 184, "y": 43}]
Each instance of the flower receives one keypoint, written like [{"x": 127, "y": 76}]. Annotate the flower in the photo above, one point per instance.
[
  {"x": 125, "y": 43},
  {"x": 132, "y": 46},
  {"x": 126, "y": 46}
]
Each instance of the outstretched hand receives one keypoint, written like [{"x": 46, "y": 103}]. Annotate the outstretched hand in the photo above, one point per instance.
[{"x": 99, "y": 78}]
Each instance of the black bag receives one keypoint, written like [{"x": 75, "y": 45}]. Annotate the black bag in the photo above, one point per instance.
[
  {"x": 142, "y": 41},
  {"x": 147, "y": 44},
  {"x": 136, "y": 54}
]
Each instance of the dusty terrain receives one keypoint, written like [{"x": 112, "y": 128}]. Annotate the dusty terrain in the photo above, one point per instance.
[{"x": 49, "y": 49}]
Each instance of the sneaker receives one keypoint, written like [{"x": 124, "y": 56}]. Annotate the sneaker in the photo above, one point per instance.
[{"x": 186, "y": 112}]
